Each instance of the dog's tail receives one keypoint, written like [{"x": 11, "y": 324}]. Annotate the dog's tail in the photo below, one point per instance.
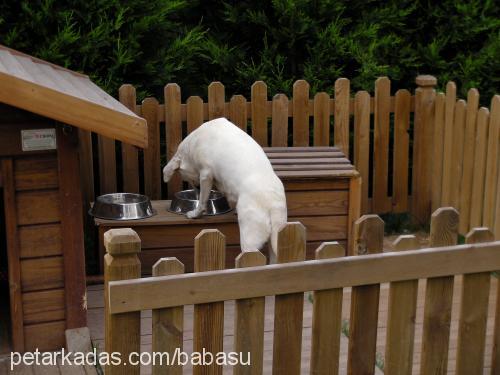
[{"x": 278, "y": 219}]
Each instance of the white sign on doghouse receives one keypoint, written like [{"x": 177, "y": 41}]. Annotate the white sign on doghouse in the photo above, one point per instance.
[{"x": 38, "y": 139}]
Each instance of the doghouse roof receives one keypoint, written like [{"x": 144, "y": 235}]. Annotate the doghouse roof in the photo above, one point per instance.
[{"x": 63, "y": 95}]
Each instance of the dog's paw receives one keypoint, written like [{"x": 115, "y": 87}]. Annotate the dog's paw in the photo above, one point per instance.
[{"x": 194, "y": 214}]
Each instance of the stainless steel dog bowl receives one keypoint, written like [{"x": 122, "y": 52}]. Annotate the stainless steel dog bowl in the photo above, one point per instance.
[
  {"x": 122, "y": 206},
  {"x": 187, "y": 200}
]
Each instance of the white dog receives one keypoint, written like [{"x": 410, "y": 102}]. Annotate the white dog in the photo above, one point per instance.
[{"x": 221, "y": 154}]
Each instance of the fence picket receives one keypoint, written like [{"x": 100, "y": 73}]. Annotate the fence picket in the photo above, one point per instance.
[
  {"x": 438, "y": 156},
  {"x": 167, "y": 330},
  {"x": 300, "y": 104},
  {"x": 362, "y": 144},
  {"x": 208, "y": 328},
  {"x": 173, "y": 130},
  {"x": 368, "y": 239},
  {"x": 481, "y": 140},
  {"x": 492, "y": 164},
  {"x": 380, "y": 201},
  {"x": 342, "y": 99},
  {"x": 107, "y": 165},
  {"x": 438, "y": 298},
  {"x": 322, "y": 119},
  {"x": 130, "y": 155},
  {"x": 279, "y": 121},
  {"x": 401, "y": 151},
  {"x": 238, "y": 111},
  {"x": 216, "y": 100},
  {"x": 469, "y": 160},
  {"x": 447, "y": 186},
  {"x": 401, "y": 318},
  {"x": 473, "y": 313},
  {"x": 152, "y": 164},
  {"x": 86, "y": 167},
  {"x": 288, "y": 308},
  {"x": 194, "y": 115},
  {"x": 327, "y": 320},
  {"x": 457, "y": 154},
  {"x": 249, "y": 322},
  {"x": 259, "y": 113}
]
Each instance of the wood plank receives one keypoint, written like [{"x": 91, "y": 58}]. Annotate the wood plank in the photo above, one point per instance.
[
  {"x": 318, "y": 173},
  {"x": 300, "y": 103},
  {"x": 354, "y": 210},
  {"x": 468, "y": 160},
  {"x": 42, "y": 273},
  {"x": 39, "y": 207},
  {"x": 321, "y": 202},
  {"x": 44, "y": 306},
  {"x": 368, "y": 237},
  {"x": 167, "y": 324},
  {"x": 322, "y": 119},
  {"x": 401, "y": 151},
  {"x": 152, "y": 164},
  {"x": 492, "y": 164},
  {"x": 86, "y": 158},
  {"x": 479, "y": 172},
  {"x": 287, "y": 342},
  {"x": 194, "y": 108},
  {"x": 381, "y": 145},
  {"x": 208, "y": 323},
  {"x": 362, "y": 144},
  {"x": 336, "y": 184},
  {"x": 301, "y": 167},
  {"x": 258, "y": 110},
  {"x": 215, "y": 100},
  {"x": 280, "y": 121},
  {"x": 249, "y": 322},
  {"x": 45, "y": 336},
  {"x": 438, "y": 298},
  {"x": 342, "y": 96},
  {"x": 401, "y": 318},
  {"x": 473, "y": 313},
  {"x": 36, "y": 173},
  {"x": 305, "y": 163},
  {"x": 188, "y": 289},
  {"x": 13, "y": 262},
  {"x": 327, "y": 320},
  {"x": 71, "y": 230},
  {"x": 238, "y": 111},
  {"x": 438, "y": 155},
  {"x": 309, "y": 149},
  {"x": 304, "y": 155},
  {"x": 107, "y": 165},
  {"x": 173, "y": 130},
  {"x": 40, "y": 241},
  {"x": 451, "y": 93},
  {"x": 130, "y": 156},
  {"x": 457, "y": 154}
]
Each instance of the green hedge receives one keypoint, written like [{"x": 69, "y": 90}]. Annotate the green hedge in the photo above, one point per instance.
[{"x": 149, "y": 43}]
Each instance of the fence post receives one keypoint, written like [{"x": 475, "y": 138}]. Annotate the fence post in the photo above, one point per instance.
[
  {"x": 425, "y": 96},
  {"x": 122, "y": 331}
]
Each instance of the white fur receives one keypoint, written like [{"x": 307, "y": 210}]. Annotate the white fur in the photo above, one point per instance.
[{"x": 221, "y": 154}]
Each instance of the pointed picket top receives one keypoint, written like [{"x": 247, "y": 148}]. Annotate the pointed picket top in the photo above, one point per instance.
[
  {"x": 444, "y": 227},
  {"x": 168, "y": 266},
  {"x": 250, "y": 259},
  {"x": 478, "y": 235},
  {"x": 216, "y": 100},
  {"x": 368, "y": 235},
  {"x": 121, "y": 241},
  {"x": 291, "y": 243},
  {"x": 406, "y": 242},
  {"x": 329, "y": 250}
]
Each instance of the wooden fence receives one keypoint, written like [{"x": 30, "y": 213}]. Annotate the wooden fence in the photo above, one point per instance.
[
  {"x": 209, "y": 286},
  {"x": 413, "y": 152}
]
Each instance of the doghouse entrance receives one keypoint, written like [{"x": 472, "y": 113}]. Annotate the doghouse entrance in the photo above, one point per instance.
[{"x": 5, "y": 320}]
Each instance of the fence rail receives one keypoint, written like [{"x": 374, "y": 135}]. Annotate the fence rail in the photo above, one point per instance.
[
  {"x": 210, "y": 286},
  {"x": 414, "y": 152}
]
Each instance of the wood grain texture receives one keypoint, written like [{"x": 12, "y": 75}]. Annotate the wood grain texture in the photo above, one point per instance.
[
  {"x": 288, "y": 308},
  {"x": 194, "y": 109},
  {"x": 130, "y": 155},
  {"x": 216, "y": 100},
  {"x": 152, "y": 165},
  {"x": 362, "y": 144},
  {"x": 249, "y": 322},
  {"x": 354, "y": 212},
  {"x": 451, "y": 93},
  {"x": 368, "y": 239},
  {"x": 259, "y": 115},
  {"x": 327, "y": 320},
  {"x": 40, "y": 240},
  {"x": 438, "y": 298},
  {"x": 438, "y": 155},
  {"x": 167, "y": 330},
  {"x": 492, "y": 164},
  {"x": 401, "y": 318},
  {"x": 44, "y": 306},
  {"x": 342, "y": 100},
  {"x": 107, "y": 165},
  {"x": 473, "y": 313},
  {"x": 401, "y": 151},
  {"x": 238, "y": 111},
  {"x": 42, "y": 273},
  {"x": 322, "y": 119},
  {"x": 173, "y": 130},
  {"x": 280, "y": 121},
  {"x": 45, "y": 336},
  {"x": 86, "y": 158},
  {"x": 300, "y": 103},
  {"x": 36, "y": 173},
  {"x": 39, "y": 207},
  {"x": 457, "y": 154}
]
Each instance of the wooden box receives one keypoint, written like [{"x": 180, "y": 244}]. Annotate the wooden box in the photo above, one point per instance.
[{"x": 323, "y": 193}]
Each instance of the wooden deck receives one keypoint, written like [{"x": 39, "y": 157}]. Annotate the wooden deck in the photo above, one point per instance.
[
  {"x": 96, "y": 325},
  {"x": 46, "y": 370}
]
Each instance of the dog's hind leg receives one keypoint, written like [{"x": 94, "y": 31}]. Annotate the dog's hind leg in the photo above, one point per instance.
[{"x": 206, "y": 182}]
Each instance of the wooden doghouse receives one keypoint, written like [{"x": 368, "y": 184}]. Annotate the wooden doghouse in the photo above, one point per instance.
[
  {"x": 323, "y": 192},
  {"x": 43, "y": 247}
]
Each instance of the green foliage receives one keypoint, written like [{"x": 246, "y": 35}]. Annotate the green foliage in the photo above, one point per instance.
[{"x": 150, "y": 43}]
